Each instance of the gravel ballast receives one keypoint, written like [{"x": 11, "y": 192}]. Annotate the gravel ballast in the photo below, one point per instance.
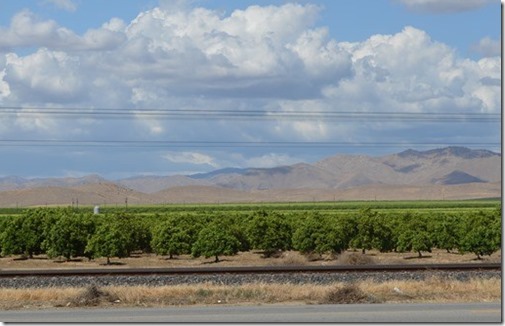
[{"x": 237, "y": 279}]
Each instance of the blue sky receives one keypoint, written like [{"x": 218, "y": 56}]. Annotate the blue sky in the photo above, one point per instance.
[{"x": 253, "y": 59}]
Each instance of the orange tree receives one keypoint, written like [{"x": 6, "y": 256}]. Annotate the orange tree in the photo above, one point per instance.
[
  {"x": 372, "y": 232},
  {"x": 111, "y": 239},
  {"x": 415, "y": 236},
  {"x": 215, "y": 240},
  {"x": 480, "y": 234},
  {"x": 68, "y": 236},
  {"x": 169, "y": 238},
  {"x": 270, "y": 232}
]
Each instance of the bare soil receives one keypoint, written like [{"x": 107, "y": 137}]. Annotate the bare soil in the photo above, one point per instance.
[{"x": 251, "y": 258}]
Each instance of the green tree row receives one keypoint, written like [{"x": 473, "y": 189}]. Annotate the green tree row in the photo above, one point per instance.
[{"x": 69, "y": 233}]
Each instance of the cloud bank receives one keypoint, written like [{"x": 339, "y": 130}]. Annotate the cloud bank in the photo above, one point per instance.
[{"x": 271, "y": 58}]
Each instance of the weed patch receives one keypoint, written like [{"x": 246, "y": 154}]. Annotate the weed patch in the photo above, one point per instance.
[
  {"x": 92, "y": 296},
  {"x": 354, "y": 258},
  {"x": 347, "y": 295}
]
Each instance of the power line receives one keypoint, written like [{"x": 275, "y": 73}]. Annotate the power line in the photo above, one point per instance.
[
  {"x": 192, "y": 114},
  {"x": 220, "y": 144}
]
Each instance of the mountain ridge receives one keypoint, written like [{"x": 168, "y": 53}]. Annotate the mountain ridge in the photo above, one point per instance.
[{"x": 443, "y": 166}]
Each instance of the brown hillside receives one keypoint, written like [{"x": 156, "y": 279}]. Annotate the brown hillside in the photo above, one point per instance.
[{"x": 110, "y": 194}]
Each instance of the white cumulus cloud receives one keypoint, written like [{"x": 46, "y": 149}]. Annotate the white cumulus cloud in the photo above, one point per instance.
[
  {"x": 488, "y": 47},
  {"x": 28, "y": 30},
  {"x": 269, "y": 58}
]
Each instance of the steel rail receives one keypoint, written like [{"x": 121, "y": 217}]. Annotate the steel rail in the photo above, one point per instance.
[{"x": 248, "y": 270}]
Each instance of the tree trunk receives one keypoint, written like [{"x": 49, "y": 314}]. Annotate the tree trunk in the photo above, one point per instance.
[
  {"x": 363, "y": 251},
  {"x": 217, "y": 259},
  {"x": 420, "y": 255},
  {"x": 170, "y": 256},
  {"x": 108, "y": 261}
]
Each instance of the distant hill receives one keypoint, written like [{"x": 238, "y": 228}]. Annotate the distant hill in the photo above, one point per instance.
[
  {"x": 151, "y": 184},
  {"x": 456, "y": 178},
  {"x": 89, "y": 194},
  {"x": 349, "y": 171},
  {"x": 13, "y": 182},
  {"x": 459, "y": 169}
]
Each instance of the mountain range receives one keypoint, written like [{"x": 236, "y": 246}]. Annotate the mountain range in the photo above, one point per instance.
[{"x": 450, "y": 168}]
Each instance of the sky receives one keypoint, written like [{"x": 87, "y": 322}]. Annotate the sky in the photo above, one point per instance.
[{"x": 144, "y": 87}]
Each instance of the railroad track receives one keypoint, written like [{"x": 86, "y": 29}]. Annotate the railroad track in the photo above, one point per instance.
[{"x": 249, "y": 270}]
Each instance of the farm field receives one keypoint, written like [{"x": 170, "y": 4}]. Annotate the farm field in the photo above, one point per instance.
[
  {"x": 330, "y": 207},
  {"x": 284, "y": 234},
  {"x": 389, "y": 232}
]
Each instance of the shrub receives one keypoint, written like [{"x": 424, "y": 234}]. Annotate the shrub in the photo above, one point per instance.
[
  {"x": 348, "y": 294},
  {"x": 352, "y": 258},
  {"x": 92, "y": 296}
]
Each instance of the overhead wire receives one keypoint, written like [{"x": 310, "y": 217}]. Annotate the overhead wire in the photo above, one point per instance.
[
  {"x": 213, "y": 114},
  {"x": 217, "y": 114},
  {"x": 221, "y": 144}
]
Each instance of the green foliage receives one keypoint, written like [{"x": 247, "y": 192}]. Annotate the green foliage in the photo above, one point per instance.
[
  {"x": 214, "y": 240},
  {"x": 322, "y": 207},
  {"x": 308, "y": 227},
  {"x": 24, "y": 234},
  {"x": 69, "y": 235},
  {"x": 309, "y": 235},
  {"x": 12, "y": 238},
  {"x": 316, "y": 234},
  {"x": 170, "y": 239},
  {"x": 372, "y": 232},
  {"x": 269, "y": 232},
  {"x": 237, "y": 225},
  {"x": 445, "y": 231},
  {"x": 111, "y": 239},
  {"x": 4, "y": 221},
  {"x": 480, "y": 234},
  {"x": 415, "y": 236},
  {"x": 137, "y": 230},
  {"x": 191, "y": 224}
]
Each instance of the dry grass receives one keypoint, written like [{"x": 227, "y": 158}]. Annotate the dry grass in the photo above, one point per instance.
[
  {"x": 436, "y": 290},
  {"x": 92, "y": 296},
  {"x": 347, "y": 294},
  {"x": 355, "y": 258},
  {"x": 431, "y": 290},
  {"x": 290, "y": 258}
]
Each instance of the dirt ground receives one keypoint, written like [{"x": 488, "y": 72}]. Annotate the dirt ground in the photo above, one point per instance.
[{"x": 250, "y": 258}]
